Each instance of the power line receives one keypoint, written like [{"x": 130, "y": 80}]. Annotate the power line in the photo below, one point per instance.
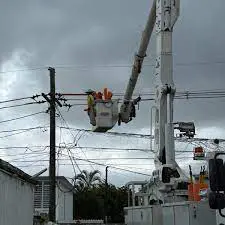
[
  {"x": 41, "y": 148},
  {"x": 10, "y": 135},
  {"x": 22, "y": 117},
  {"x": 71, "y": 134},
  {"x": 113, "y": 158},
  {"x": 41, "y": 153},
  {"x": 87, "y": 148},
  {"x": 181, "y": 97},
  {"x": 24, "y": 129},
  {"x": 130, "y": 65},
  {"x": 184, "y": 97},
  {"x": 134, "y": 135},
  {"x": 29, "y": 103},
  {"x": 177, "y": 94},
  {"x": 146, "y": 150},
  {"x": 32, "y": 164},
  {"x": 71, "y": 66},
  {"x": 111, "y": 166},
  {"x": 13, "y": 134},
  {"x": 58, "y": 164},
  {"x": 93, "y": 159},
  {"x": 18, "y": 99},
  {"x": 87, "y": 164},
  {"x": 130, "y": 171},
  {"x": 100, "y": 164},
  {"x": 24, "y": 70},
  {"x": 138, "y": 135},
  {"x": 152, "y": 99},
  {"x": 111, "y": 148},
  {"x": 26, "y": 154},
  {"x": 68, "y": 150},
  {"x": 23, "y": 147},
  {"x": 108, "y": 133},
  {"x": 122, "y": 169},
  {"x": 199, "y": 97},
  {"x": 30, "y": 158}
]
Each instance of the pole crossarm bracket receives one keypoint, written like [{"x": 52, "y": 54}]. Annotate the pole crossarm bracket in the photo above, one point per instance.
[{"x": 49, "y": 100}]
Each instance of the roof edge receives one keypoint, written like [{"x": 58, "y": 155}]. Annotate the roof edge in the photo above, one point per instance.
[{"x": 10, "y": 169}]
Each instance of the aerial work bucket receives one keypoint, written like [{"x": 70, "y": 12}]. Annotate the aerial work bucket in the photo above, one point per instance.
[
  {"x": 106, "y": 115},
  {"x": 199, "y": 153}
]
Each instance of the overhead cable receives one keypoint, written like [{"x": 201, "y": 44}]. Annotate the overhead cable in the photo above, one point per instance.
[
  {"x": 87, "y": 67},
  {"x": 29, "y": 103},
  {"x": 17, "y": 99},
  {"x": 22, "y": 117},
  {"x": 24, "y": 129}
]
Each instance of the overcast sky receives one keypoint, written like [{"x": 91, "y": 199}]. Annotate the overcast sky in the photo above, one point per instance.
[{"x": 98, "y": 40}]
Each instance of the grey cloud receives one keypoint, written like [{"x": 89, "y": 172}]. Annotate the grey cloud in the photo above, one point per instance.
[
  {"x": 104, "y": 33},
  {"x": 93, "y": 33}
]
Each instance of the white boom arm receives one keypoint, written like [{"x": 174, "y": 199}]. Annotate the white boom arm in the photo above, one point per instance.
[
  {"x": 163, "y": 15},
  {"x": 167, "y": 12},
  {"x": 127, "y": 106}
]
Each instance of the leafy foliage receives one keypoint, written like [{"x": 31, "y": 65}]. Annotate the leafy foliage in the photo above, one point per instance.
[
  {"x": 87, "y": 179},
  {"x": 90, "y": 198}
]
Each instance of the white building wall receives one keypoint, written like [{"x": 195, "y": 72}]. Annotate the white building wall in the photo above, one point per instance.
[
  {"x": 60, "y": 205},
  {"x": 16, "y": 201},
  {"x": 69, "y": 206},
  {"x": 64, "y": 205}
]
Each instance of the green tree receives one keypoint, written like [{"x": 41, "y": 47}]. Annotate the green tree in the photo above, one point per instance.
[
  {"x": 79, "y": 186},
  {"x": 88, "y": 205},
  {"x": 87, "y": 179},
  {"x": 89, "y": 202}
]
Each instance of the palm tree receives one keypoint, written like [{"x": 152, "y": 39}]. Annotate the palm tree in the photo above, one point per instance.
[
  {"x": 87, "y": 179},
  {"x": 79, "y": 186}
]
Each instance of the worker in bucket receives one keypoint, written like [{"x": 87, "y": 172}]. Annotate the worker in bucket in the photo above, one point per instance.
[
  {"x": 91, "y": 106},
  {"x": 99, "y": 95}
]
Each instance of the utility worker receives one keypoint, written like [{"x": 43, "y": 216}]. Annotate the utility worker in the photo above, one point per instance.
[
  {"x": 99, "y": 95},
  {"x": 91, "y": 106},
  {"x": 107, "y": 94}
]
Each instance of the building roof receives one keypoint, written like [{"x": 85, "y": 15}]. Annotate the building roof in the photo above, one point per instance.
[
  {"x": 16, "y": 172},
  {"x": 63, "y": 181}
]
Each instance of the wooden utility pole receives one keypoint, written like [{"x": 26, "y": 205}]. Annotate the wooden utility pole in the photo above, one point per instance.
[
  {"x": 52, "y": 177},
  {"x": 106, "y": 195}
]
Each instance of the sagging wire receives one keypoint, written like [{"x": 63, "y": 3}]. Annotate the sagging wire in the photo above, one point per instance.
[{"x": 70, "y": 130}]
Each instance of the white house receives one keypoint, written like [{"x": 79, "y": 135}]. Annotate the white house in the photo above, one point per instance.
[
  {"x": 64, "y": 198},
  {"x": 16, "y": 196}
]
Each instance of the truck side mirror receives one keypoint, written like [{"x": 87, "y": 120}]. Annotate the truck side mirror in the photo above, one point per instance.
[
  {"x": 216, "y": 175},
  {"x": 165, "y": 175},
  {"x": 217, "y": 183},
  {"x": 216, "y": 200}
]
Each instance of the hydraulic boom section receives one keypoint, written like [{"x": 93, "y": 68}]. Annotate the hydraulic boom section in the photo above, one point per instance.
[
  {"x": 169, "y": 173},
  {"x": 127, "y": 110},
  {"x": 167, "y": 12}
]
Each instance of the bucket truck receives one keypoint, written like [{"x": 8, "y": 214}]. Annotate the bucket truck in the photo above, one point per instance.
[
  {"x": 167, "y": 176},
  {"x": 166, "y": 192}
]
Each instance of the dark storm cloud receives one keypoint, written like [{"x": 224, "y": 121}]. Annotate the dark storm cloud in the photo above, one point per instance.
[
  {"x": 104, "y": 32},
  {"x": 93, "y": 33}
]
